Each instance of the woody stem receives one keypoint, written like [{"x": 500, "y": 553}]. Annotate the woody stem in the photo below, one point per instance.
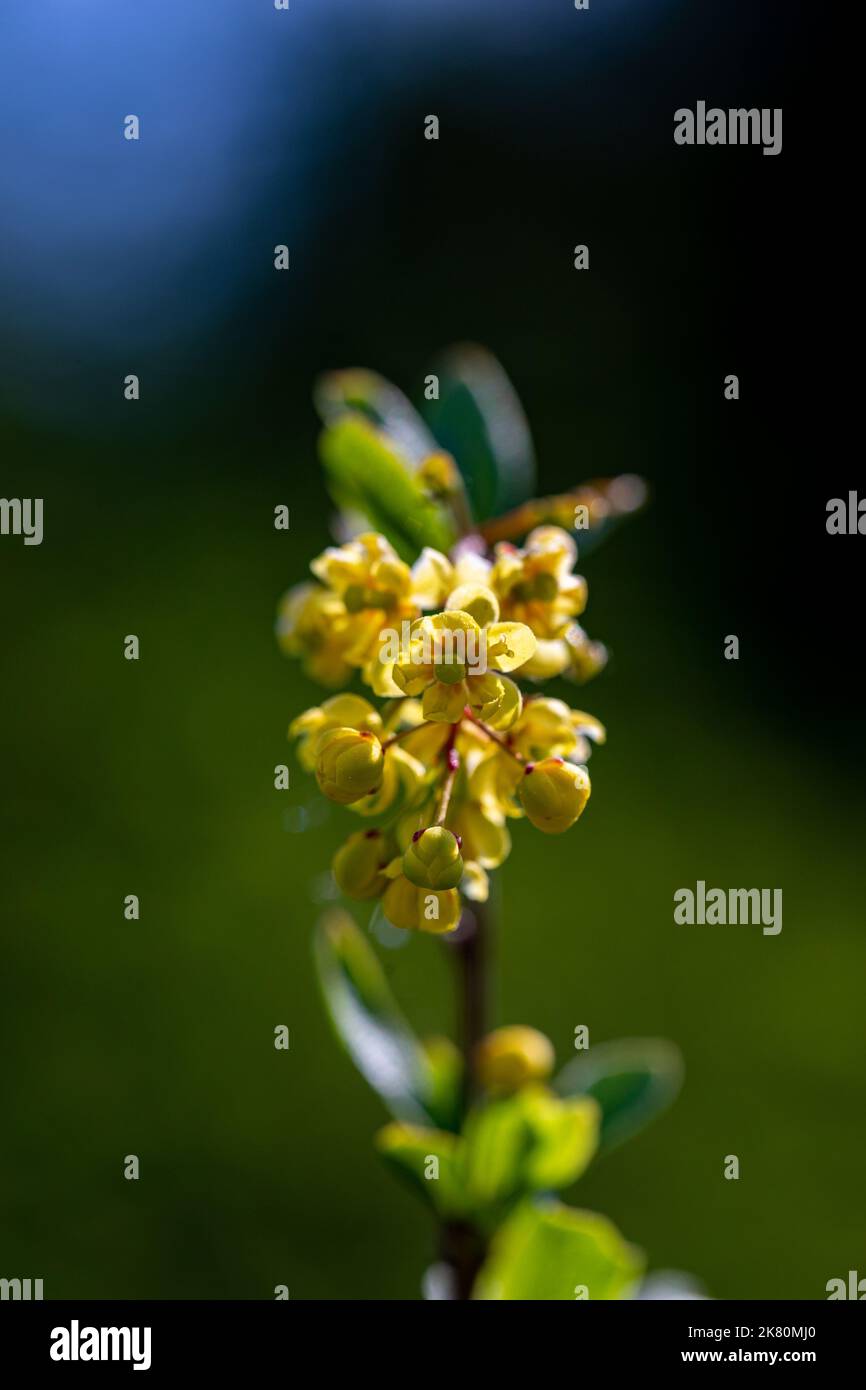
[
  {"x": 462, "y": 1246},
  {"x": 452, "y": 763}
]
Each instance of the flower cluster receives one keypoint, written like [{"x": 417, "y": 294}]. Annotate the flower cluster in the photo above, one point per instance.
[
  {"x": 435, "y": 634},
  {"x": 457, "y": 749}
]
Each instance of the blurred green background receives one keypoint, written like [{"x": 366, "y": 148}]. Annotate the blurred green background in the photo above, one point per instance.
[{"x": 156, "y": 778}]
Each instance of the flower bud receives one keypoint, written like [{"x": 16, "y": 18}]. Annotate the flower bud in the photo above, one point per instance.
[
  {"x": 358, "y": 864},
  {"x": 439, "y": 475},
  {"x": 511, "y": 1057},
  {"x": 433, "y": 859},
  {"x": 553, "y": 793},
  {"x": 349, "y": 764}
]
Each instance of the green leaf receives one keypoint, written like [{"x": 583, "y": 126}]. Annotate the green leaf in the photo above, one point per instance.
[
  {"x": 633, "y": 1080},
  {"x": 497, "y": 1140},
  {"x": 549, "y": 1251},
  {"x": 566, "y": 1137},
  {"x": 367, "y": 473},
  {"x": 408, "y": 1149},
  {"x": 366, "y": 393},
  {"x": 479, "y": 419},
  {"x": 444, "y": 1100},
  {"x": 531, "y": 1141},
  {"x": 368, "y": 1021}
]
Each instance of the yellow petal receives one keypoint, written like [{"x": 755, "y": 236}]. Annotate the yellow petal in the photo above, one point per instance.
[
  {"x": 556, "y": 547},
  {"x": 509, "y": 645},
  {"x": 364, "y": 628},
  {"x": 438, "y": 912},
  {"x": 444, "y": 703},
  {"x": 551, "y": 659},
  {"x": 493, "y": 784},
  {"x": 340, "y": 566},
  {"x": 507, "y": 568},
  {"x": 426, "y": 743},
  {"x": 379, "y": 675},
  {"x": 411, "y": 677},
  {"x": 352, "y": 711},
  {"x": 432, "y": 577},
  {"x": 494, "y": 699},
  {"x": 307, "y": 723},
  {"x": 475, "y": 884},
  {"x": 450, "y": 620},
  {"x": 477, "y": 600},
  {"x": 400, "y": 903},
  {"x": 485, "y": 839},
  {"x": 401, "y": 778},
  {"x": 470, "y": 568}
]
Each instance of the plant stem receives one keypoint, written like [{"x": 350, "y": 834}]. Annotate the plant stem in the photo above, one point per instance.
[
  {"x": 462, "y": 1245},
  {"x": 445, "y": 798},
  {"x": 452, "y": 765},
  {"x": 604, "y": 499},
  {"x": 463, "y": 1249},
  {"x": 473, "y": 963}
]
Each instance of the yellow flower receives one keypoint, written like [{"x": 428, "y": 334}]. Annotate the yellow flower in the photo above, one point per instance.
[
  {"x": 546, "y": 728},
  {"x": 432, "y": 578},
  {"x": 312, "y": 624},
  {"x": 402, "y": 776},
  {"x": 549, "y": 728},
  {"x": 439, "y": 474},
  {"x": 340, "y": 711},
  {"x": 457, "y": 752},
  {"x": 511, "y": 1058},
  {"x": 401, "y": 773},
  {"x": 453, "y": 660},
  {"x": 364, "y": 587},
  {"x": 585, "y": 657},
  {"x": 479, "y": 819},
  {"x": 536, "y": 586},
  {"x": 379, "y": 591},
  {"x": 365, "y": 572},
  {"x": 553, "y": 794},
  {"x": 348, "y": 764},
  {"x": 419, "y": 909},
  {"x": 358, "y": 865},
  {"x": 477, "y": 825}
]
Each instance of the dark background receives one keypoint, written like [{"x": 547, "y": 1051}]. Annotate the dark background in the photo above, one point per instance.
[{"x": 156, "y": 257}]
